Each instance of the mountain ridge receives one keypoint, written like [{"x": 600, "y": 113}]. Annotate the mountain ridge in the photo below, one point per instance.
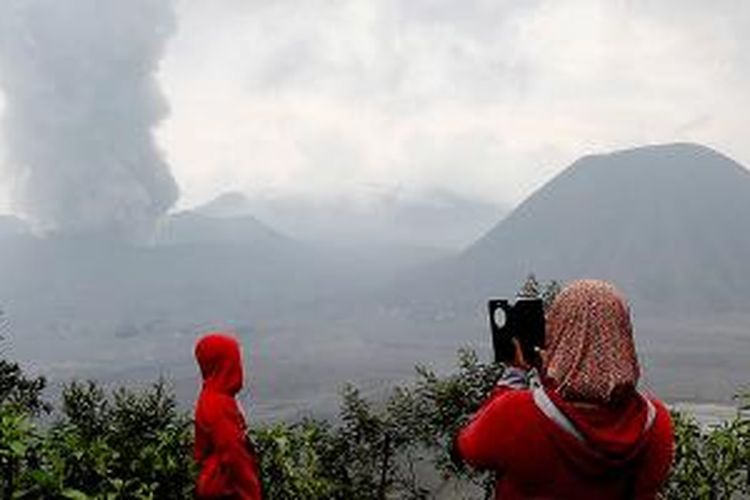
[{"x": 667, "y": 223}]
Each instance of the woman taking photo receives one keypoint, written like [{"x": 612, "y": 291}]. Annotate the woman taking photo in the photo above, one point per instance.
[{"x": 586, "y": 432}]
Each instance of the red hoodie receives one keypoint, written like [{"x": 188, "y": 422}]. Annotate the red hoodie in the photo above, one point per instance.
[
  {"x": 228, "y": 467},
  {"x": 542, "y": 447}
]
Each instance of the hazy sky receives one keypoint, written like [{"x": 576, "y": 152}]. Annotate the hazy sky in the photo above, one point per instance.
[{"x": 484, "y": 98}]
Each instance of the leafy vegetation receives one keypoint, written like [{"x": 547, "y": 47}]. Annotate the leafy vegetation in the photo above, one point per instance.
[
  {"x": 711, "y": 463},
  {"x": 398, "y": 448},
  {"x": 127, "y": 444}
]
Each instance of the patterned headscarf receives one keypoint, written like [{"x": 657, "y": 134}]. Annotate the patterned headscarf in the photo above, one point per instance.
[{"x": 590, "y": 350}]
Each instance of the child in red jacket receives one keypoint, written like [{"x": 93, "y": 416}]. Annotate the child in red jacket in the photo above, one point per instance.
[
  {"x": 228, "y": 466},
  {"x": 586, "y": 433}
]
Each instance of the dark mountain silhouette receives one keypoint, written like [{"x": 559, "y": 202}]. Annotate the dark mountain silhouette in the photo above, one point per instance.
[{"x": 670, "y": 224}]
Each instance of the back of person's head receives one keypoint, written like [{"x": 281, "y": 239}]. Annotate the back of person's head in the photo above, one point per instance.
[
  {"x": 219, "y": 357},
  {"x": 590, "y": 352}
]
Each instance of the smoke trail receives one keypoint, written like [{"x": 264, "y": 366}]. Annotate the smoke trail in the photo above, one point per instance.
[{"x": 81, "y": 102}]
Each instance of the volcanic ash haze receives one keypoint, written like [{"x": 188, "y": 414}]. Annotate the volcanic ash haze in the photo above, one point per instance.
[{"x": 81, "y": 99}]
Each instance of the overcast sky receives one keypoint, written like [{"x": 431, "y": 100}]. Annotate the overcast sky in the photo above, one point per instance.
[{"x": 486, "y": 99}]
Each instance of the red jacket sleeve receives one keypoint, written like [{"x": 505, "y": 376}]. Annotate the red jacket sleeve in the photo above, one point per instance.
[
  {"x": 227, "y": 435},
  {"x": 477, "y": 443}
]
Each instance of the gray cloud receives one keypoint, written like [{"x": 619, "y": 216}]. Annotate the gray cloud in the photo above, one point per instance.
[
  {"x": 81, "y": 101},
  {"x": 487, "y": 99}
]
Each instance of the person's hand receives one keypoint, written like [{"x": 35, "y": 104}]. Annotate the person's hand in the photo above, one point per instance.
[
  {"x": 542, "y": 353},
  {"x": 519, "y": 360}
]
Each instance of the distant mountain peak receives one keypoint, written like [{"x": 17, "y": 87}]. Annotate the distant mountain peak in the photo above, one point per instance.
[
  {"x": 229, "y": 204},
  {"x": 226, "y": 219},
  {"x": 675, "y": 155},
  {"x": 669, "y": 223},
  {"x": 660, "y": 148}
]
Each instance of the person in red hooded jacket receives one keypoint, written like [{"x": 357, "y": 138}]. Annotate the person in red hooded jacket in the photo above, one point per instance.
[
  {"x": 228, "y": 465},
  {"x": 585, "y": 432}
]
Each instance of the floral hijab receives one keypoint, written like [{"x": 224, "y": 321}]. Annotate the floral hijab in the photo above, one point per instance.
[{"x": 590, "y": 355}]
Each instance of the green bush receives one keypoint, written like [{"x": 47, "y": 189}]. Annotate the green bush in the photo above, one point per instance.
[
  {"x": 129, "y": 444},
  {"x": 298, "y": 460},
  {"x": 710, "y": 463},
  {"x": 20, "y": 391},
  {"x": 376, "y": 450}
]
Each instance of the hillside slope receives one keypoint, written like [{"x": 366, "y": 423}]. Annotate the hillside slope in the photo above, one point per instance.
[{"x": 670, "y": 224}]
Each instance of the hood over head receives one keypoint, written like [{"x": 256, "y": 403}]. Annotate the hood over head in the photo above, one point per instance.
[
  {"x": 220, "y": 360},
  {"x": 598, "y": 438},
  {"x": 590, "y": 355}
]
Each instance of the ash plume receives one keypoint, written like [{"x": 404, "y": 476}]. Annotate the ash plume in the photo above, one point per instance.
[{"x": 82, "y": 99}]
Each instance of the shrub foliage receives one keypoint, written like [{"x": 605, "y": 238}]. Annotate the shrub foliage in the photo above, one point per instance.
[{"x": 125, "y": 444}]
